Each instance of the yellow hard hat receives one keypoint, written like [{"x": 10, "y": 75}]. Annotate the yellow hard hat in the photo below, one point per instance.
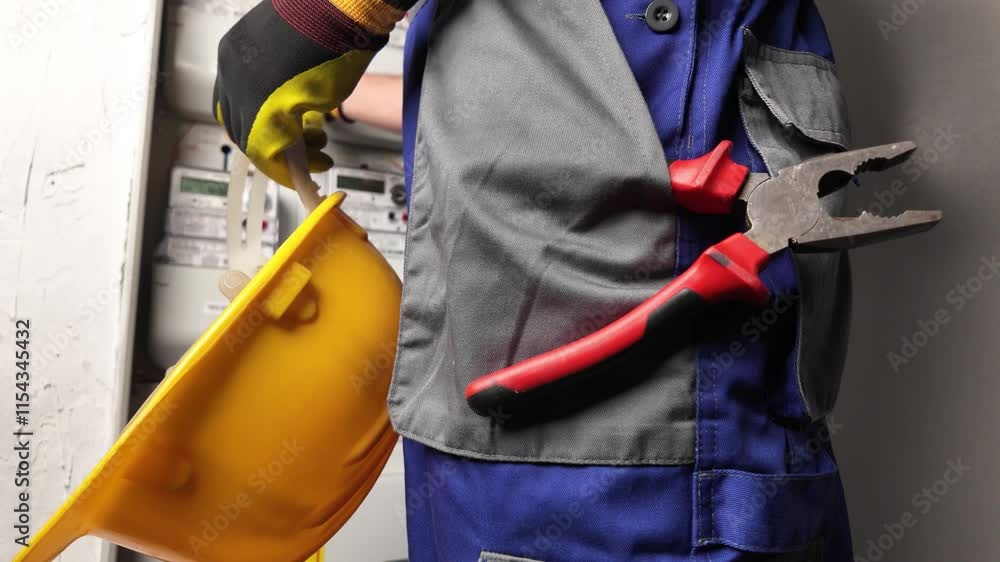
[{"x": 271, "y": 429}]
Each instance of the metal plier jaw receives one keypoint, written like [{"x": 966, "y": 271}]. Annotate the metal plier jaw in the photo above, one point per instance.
[
  {"x": 785, "y": 210},
  {"x": 781, "y": 211}
]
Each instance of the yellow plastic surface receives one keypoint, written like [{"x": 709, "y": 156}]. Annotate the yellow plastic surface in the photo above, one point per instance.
[{"x": 271, "y": 429}]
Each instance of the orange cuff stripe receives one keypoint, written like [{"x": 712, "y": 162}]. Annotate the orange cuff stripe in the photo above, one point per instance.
[{"x": 376, "y": 16}]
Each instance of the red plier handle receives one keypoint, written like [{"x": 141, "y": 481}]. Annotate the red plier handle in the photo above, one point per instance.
[{"x": 726, "y": 272}]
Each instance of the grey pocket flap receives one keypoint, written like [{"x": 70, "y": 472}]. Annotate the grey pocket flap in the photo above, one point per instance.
[
  {"x": 794, "y": 109},
  {"x": 800, "y": 89}
]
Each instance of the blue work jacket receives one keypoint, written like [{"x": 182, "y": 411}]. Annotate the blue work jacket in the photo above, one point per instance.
[{"x": 760, "y": 481}]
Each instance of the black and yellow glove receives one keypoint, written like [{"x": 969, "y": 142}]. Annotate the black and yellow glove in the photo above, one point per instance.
[{"x": 285, "y": 58}]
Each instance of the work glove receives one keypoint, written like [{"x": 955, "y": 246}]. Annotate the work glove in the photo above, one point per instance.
[{"x": 286, "y": 58}]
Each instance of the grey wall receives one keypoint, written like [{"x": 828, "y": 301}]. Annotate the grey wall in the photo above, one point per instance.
[{"x": 937, "y": 69}]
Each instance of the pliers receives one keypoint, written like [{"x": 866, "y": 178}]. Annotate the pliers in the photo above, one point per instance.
[{"x": 781, "y": 211}]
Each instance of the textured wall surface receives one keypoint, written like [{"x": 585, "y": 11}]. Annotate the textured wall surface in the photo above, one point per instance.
[
  {"x": 75, "y": 98},
  {"x": 920, "y": 393}
]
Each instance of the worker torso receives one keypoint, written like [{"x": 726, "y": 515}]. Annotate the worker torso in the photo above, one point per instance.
[
  {"x": 541, "y": 211},
  {"x": 537, "y": 141}
]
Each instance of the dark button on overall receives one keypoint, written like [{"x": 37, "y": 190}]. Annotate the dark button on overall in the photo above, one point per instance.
[{"x": 662, "y": 15}]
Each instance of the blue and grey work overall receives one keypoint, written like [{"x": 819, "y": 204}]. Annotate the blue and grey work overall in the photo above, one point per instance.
[{"x": 537, "y": 139}]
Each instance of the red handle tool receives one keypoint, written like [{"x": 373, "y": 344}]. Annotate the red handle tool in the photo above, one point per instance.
[
  {"x": 728, "y": 271},
  {"x": 782, "y": 211}
]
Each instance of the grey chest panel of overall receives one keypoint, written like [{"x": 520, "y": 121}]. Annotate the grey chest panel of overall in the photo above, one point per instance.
[{"x": 540, "y": 211}]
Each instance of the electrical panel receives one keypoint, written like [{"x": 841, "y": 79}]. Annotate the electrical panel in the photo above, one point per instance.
[
  {"x": 184, "y": 295},
  {"x": 376, "y": 201}
]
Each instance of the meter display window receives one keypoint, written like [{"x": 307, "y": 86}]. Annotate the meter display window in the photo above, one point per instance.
[
  {"x": 361, "y": 184},
  {"x": 203, "y": 187}
]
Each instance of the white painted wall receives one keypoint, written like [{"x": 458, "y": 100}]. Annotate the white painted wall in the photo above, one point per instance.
[{"x": 75, "y": 99}]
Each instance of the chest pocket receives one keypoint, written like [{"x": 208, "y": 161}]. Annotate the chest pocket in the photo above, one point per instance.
[{"x": 793, "y": 109}]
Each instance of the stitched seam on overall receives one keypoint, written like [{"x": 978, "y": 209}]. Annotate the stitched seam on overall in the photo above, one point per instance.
[
  {"x": 621, "y": 95},
  {"x": 755, "y": 148},
  {"x": 764, "y": 94},
  {"x": 687, "y": 85},
  {"x": 768, "y": 394},
  {"x": 754, "y": 548},
  {"x": 393, "y": 398},
  {"x": 761, "y": 90},
  {"x": 712, "y": 474},
  {"x": 763, "y": 56},
  {"x": 770, "y": 52},
  {"x": 818, "y": 130},
  {"x": 465, "y": 454},
  {"x": 761, "y": 53},
  {"x": 694, "y": 248},
  {"x": 704, "y": 101},
  {"x": 630, "y": 119},
  {"x": 773, "y": 550}
]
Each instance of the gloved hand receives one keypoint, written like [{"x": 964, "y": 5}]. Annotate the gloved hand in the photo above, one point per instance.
[{"x": 288, "y": 57}]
